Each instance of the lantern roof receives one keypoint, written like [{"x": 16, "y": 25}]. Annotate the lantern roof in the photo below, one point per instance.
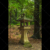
[{"x": 23, "y": 18}]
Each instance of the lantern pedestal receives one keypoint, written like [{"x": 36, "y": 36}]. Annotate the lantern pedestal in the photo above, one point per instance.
[
  {"x": 24, "y": 39},
  {"x": 24, "y": 29}
]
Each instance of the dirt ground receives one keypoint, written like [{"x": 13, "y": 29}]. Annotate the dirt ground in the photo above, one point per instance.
[{"x": 14, "y": 38}]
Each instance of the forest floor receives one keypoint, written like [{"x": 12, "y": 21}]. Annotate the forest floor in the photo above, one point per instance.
[{"x": 14, "y": 37}]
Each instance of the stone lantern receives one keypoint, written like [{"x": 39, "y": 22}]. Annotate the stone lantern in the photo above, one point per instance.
[{"x": 24, "y": 29}]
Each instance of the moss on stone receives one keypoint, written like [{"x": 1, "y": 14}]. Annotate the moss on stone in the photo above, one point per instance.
[{"x": 27, "y": 44}]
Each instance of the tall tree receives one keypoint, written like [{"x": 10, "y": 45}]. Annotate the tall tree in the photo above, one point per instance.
[{"x": 36, "y": 20}]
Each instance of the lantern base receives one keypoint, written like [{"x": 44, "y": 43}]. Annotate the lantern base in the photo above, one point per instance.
[
  {"x": 24, "y": 39},
  {"x": 27, "y": 44}
]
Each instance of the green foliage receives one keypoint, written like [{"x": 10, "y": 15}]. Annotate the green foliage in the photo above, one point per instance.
[{"x": 18, "y": 7}]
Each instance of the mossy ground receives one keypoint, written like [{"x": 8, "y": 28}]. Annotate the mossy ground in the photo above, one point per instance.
[{"x": 27, "y": 44}]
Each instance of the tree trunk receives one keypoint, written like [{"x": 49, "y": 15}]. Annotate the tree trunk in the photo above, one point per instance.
[
  {"x": 36, "y": 21},
  {"x": 10, "y": 24},
  {"x": 21, "y": 12},
  {"x": 15, "y": 15},
  {"x": 31, "y": 23}
]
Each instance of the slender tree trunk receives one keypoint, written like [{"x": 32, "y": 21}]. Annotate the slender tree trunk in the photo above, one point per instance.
[
  {"x": 36, "y": 21},
  {"x": 31, "y": 23},
  {"x": 21, "y": 12},
  {"x": 15, "y": 14},
  {"x": 10, "y": 24}
]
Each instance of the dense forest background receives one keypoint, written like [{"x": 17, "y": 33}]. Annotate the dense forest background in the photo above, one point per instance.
[
  {"x": 18, "y": 7},
  {"x": 32, "y": 10}
]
